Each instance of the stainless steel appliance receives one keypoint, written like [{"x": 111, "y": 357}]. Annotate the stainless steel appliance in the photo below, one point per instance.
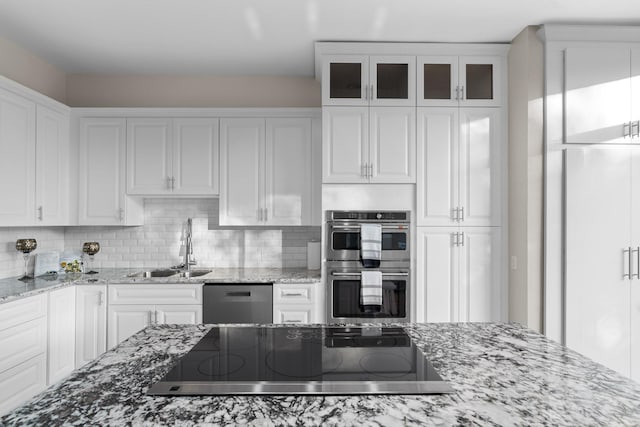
[
  {"x": 343, "y": 281},
  {"x": 343, "y": 234},
  {"x": 343, "y": 266},
  {"x": 315, "y": 360},
  {"x": 242, "y": 303}
]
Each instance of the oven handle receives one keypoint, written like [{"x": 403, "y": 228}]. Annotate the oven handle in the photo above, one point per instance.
[
  {"x": 336, "y": 274},
  {"x": 356, "y": 228}
]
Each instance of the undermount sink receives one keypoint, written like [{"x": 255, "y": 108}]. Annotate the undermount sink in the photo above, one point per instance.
[{"x": 169, "y": 273}]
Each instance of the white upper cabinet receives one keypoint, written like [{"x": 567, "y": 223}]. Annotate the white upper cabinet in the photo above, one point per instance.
[
  {"x": 288, "y": 182},
  {"x": 195, "y": 156},
  {"x": 172, "y": 156},
  {"x": 101, "y": 178},
  {"x": 598, "y": 97},
  {"x": 392, "y": 146},
  {"x": 149, "y": 156},
  {"x": 466, "y": 81},
  {"x": 459, "y": 167},
  {"x": 265, "y": 171},
  {"x": 362, "y": 145},
  {"x": 34, "y": 141},
  {"x": 17, "y": 161},
  {"x": 359, "y": 80},
  {"x": 52, "y": 166}
]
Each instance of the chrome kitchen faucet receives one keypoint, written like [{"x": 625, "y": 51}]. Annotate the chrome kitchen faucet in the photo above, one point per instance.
[{"x": 189, "y": 260}]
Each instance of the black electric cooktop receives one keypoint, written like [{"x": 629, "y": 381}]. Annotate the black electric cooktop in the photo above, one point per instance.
[{"x": 302, "y": 360}]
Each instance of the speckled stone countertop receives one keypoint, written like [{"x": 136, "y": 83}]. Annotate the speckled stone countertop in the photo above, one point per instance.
[
  {"x": 11, "y": 289},
  {"x": 502, "y": 374}
]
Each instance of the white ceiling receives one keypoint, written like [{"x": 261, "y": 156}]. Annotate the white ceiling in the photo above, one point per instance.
[{"x": 272, "y": 37}]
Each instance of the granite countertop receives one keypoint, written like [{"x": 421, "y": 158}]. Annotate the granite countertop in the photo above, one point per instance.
[
  {"x": 502, "y": 374},
  {"x": 12, "y": 288}
]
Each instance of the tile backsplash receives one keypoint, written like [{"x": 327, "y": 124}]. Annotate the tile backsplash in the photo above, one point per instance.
[
  {"x": 11, "y": 261},
  {"x": 160, "y": 242}
]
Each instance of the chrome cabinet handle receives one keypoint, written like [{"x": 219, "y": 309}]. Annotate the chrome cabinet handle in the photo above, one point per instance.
[
  {"x": 462, "y": 213},
  {"x": 121, "y": 214},
  {"x": 462, "y": 93},
  {"x": 370, "y": 170},
  {"x": 626, "y": 129},
  {"x": 155, "y": 317},
  {"x": 457, "y": 93},
  {"x": 292, "y": 294},
  {"x": 637, "y": 273},
  {"x": 100, "y": 298},
  {"x": 266, "y": 214},
  {"x": 635, "y": 129},
  {"x": 462, "y": 239},
  {"x": 454, "y": 239},
  {"x": 626, "y": 252},
  {"x": 40, "y": 213},
  {"x": 150, "y": 318}
]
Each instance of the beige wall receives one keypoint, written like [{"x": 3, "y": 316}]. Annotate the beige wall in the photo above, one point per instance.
[
  {"x": 526, "y": 88},
  {"x": 96, "y": 90},
  {"x": 25, "y": 68}
]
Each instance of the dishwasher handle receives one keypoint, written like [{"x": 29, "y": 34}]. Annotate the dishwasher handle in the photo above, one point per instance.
[{"x": 238, "y": 294}]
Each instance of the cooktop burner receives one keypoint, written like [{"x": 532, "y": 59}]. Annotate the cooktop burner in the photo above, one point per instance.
[{"x": 302, "y": 360}]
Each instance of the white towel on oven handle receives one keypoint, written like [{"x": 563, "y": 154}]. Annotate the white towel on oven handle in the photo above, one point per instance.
[
  {"x": 370, "y": 242},
  {"x": 371, "y": 288}
]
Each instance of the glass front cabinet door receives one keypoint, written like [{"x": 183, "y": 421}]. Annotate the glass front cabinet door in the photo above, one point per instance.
[
  {"x": 470, "y": 81},
  {"x": 363, "y": 80}
]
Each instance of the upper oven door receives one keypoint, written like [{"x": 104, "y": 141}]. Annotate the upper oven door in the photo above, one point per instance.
[{"x": 343, "y": 242}]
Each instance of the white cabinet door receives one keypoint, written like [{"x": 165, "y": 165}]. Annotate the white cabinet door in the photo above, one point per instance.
[
  {"x": 241, "y": 171},
  {"x": 345, "y": 144},
  {"x": 479, "y": 166},
  {"x": 437, "y": 81},
  {"x": 345, "y": 80},
  {"x": 479, "y": 81},
  {"x": 101, "y": 178},
  {"x": 126, "y": 320},
  {"x": 91, "y": 323},
  {"x": 437, "y": 263},
  {"x": 22, "y": 342},
  {"x": 149, "y": 156},
  {"x": 437, "y": 184},
  {"x": 597, "y": 95},
  {"x": 62, "y": 333},
  {"x": 598, "y": 237},
  {"x": 22, "y": 382},
  {"x": 635, "y": 330},
  {"x": 634, "y": 303},
  {"x": 195, "y": 156},
  {"x": 392, "y": 80},
  {"x": 392, "y": 152},
  {"x": 178, "y": 314},
  {"x": 17, "y": 165},
  {"x": 52, "y": 179},
  {"x": 480, "y": 289},
  {"x": 288, "y": 172},
  {"x": 458, "y": 275}
]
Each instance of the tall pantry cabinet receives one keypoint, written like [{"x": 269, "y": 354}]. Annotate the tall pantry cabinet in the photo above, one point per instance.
[{"x": 430, "y": 115}]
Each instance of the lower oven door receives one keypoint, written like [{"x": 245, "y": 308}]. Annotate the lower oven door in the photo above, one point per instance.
[{"x": 344, "y": 298}]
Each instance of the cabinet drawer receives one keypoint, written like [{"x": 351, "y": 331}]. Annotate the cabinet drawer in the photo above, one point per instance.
[
  {"x": 22, "y": 342},
  {"x": 299, "y": 293},
  {"x": 293, "y": 314},
  {"x": 155, "y": 294},
  {"x": 22, "y": 382},
  {"x": 23, "y": 310}
]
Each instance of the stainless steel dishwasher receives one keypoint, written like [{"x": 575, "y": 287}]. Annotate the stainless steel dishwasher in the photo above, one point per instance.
[{"x": 242, "y": 303}]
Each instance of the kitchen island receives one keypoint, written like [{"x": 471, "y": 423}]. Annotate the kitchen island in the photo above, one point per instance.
[{"x": 502, "y": 374}]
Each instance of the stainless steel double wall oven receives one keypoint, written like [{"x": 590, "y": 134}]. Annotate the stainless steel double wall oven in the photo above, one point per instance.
[{"x": 344, "y": 266}]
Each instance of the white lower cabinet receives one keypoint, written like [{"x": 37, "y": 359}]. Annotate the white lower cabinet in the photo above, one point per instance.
[
  {"x": 61, "y": 328},
  {"x": 91, "y": 322},
  {"x": 23, "y": 350},
  {"x": 295, "y": 303},
  {"x": 134, "y": 307},
  {"x": 458, "y": 275}
]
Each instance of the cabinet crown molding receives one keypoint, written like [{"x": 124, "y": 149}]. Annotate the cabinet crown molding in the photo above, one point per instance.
[{"x": 589, "y": 33}]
